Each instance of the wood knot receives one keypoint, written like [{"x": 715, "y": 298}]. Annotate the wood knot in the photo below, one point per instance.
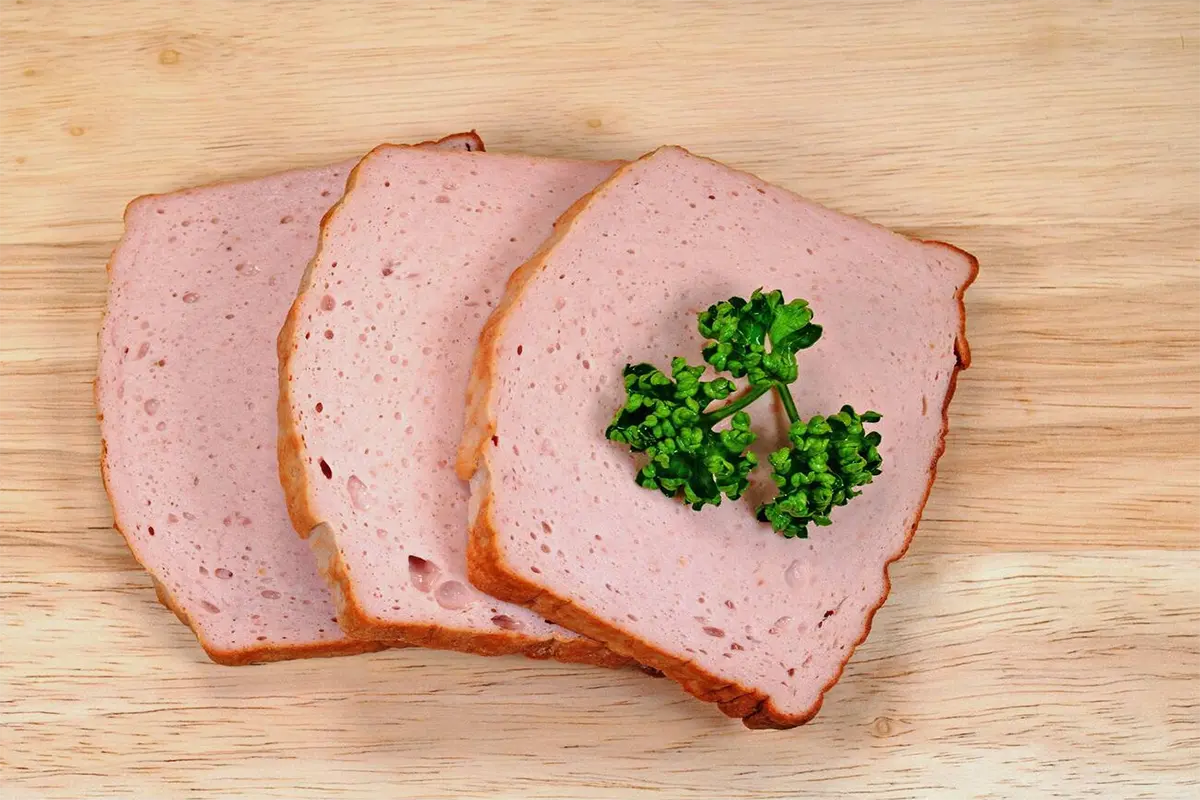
[
  {"x": 168, "y": 57},
  {"x": 882, "y": 728}
]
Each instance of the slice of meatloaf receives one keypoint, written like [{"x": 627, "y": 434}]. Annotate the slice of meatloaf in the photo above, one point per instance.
[
  {"x": 374, "y": 364},
  {"x": 718, "y": 601},
  {"x": 187, "y": 387}
]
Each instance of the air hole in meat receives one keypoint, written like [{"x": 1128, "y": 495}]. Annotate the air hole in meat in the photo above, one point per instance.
[
  {"x": 520, "y": 349},
  {"x": 270, "y": 594},
  {"x": 328, "y": 334},
  {"x": 151, "y": 406},
  {"x": 328, "y": 303},
  {"x": 150, "y": 530},
  {"x": 319, "y": 407},
  {"x": 535, "y": 570},
  {"x": 452, "y": 595},
  {"x": 507, "y": 623},
  {"x": 711, "y": 631},
  {"x": 209, "y": 607},
  {"x": 203, "y": 570},
  {"x": 546, "y": 527},
  {"x": 223, "y": 574},
  {"x": 360, "y": 497},
  {"x": 325, "y": 470},
  {"x": 142, "y": 350},
  {"x": 422, "y": 574},
  {"x": 285, "y": 219},
  {"x": 190, "y": 297}
]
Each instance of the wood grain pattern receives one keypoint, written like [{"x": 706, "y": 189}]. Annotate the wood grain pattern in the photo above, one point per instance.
[{"x": 1043, "y": 637}]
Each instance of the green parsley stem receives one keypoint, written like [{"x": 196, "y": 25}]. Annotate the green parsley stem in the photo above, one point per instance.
[
  {"x": 712, "y": 418},
  {"x": 789, "y": 405}
]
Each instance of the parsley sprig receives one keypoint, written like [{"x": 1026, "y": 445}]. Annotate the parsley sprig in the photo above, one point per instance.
[{"x": 692, "y": 455}]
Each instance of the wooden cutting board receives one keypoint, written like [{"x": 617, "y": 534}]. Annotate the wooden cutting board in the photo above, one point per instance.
[{"x": 1043, "y": 636}]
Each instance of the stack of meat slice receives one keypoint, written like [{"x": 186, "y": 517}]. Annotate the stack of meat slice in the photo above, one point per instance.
[{"x": 441, "y": 288}]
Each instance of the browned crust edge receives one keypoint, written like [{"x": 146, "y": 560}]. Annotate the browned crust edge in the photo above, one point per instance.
[
  {"x": 352, "y": 617},
  {"x": 249, "y": 655},
  {"x": 487, "y": 567}
]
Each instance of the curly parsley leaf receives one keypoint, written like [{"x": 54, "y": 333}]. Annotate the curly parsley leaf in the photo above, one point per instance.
[
  {"x": 740, "y": 331},
  {"x": 829, "y": 459},
  {"x": 663, "y": 417}
]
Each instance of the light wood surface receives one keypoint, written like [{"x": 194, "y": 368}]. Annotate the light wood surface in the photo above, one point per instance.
[{"x": 1043, "y": 636}]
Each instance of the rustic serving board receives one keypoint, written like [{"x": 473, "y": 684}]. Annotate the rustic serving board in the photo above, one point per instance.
[{"x": 1043, "y": 636}]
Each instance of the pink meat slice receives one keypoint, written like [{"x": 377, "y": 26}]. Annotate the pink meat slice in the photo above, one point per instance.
[
  {"x": 716, "y": 600},
  {"x": 187, "y": 387},
  {"x": 375, "y": 360}
]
